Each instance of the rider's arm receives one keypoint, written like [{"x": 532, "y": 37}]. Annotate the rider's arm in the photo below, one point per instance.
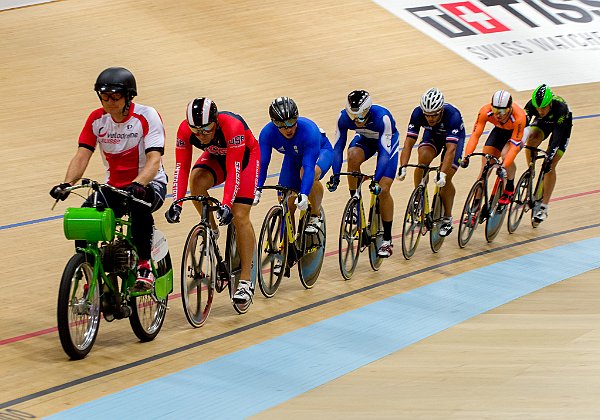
[
  {"x": 482, "y": 118},
  {"x": 388, "y": 148},
  {"x": 183, "y": 161},
  {"x": 412, "y": 134},
  {"x": 339, "y": 141},
  {"x": 516, "y": 140},
  {"x": 78, "y": 164},
  {"x": 150, "y": 169},
  {"x": 312, "y": 148},
  {"x": 236, "y": 146},
  {"x": 264, "y": 141}
]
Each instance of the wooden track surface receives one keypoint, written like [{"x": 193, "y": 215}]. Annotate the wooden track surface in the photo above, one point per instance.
[{"x": 243, "y": 54}]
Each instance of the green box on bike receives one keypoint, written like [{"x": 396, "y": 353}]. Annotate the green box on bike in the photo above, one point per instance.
[{"x": 90, "y": 224}]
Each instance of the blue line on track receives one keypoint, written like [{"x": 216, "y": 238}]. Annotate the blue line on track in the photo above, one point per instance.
[{"x": 249, "y": 381}]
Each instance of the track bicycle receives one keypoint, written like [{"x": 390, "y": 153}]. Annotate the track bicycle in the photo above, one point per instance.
[
  {"x": 104, "y": 255},
  {"x": 526, "y": 197},
  {"x": 419, "y": 218},
  {"x": 356, "y": 232},
  {"x": 483, "y": 207},
  {"x": 281, "y": 245},
  {"x": 203, "y": 268}
]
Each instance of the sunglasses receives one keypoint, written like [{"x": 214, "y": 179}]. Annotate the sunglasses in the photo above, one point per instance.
[
  {"x": 432, "y": 114},
  {"x": 115, "y": 96},
  {"x": 205, "y": 129},
  {"x": 500, "y": 112},
  {"x": 286, "y": 123},
  {"x": 360, "y": 117}
]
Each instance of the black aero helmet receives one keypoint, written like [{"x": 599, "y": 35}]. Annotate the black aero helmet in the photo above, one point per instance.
[
  {"x": 201, "y": 112},
  {"x": 358, "y": 104},
  {"x": 116, "y": 79},
  {"x": 282, "y": 109}
]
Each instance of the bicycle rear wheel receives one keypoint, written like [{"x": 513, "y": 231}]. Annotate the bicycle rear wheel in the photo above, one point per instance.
[
  {"x": 413, "y": 222},
  {"x": 469, "y": 218},
  {"x": 496, "y": 212},
  {"x": 78, "y": 307},
  {"x": 376, "y": 234},
  {"x": 272, "y": 251},
  {"x": 198, "y": 276},
  {"x": 313, "y": 251},
  {"x": 519, "y": 202},
  {"x": 350, "y": 241},
  {"x": 148, "y": 313},
  {"x": 538, "y": 195},
  {"x": 437, "y": 211}
]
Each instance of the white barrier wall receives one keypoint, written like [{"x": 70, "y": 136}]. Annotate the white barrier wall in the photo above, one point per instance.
[{"x": 11, "y": 4}]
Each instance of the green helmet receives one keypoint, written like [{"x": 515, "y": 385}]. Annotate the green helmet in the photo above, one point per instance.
[{"x": 541, "y": 96}]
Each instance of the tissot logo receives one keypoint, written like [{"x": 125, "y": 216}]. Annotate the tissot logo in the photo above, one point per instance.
[{"x": 466, "y": 18}]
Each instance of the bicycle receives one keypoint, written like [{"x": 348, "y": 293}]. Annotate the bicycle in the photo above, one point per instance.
[
  {"x": 90, "y": 281},
  {"x": 203, "y": 269},
  {"x": 281, "y": 245},
  {"x": 355, "y": 233},
  {"x": 419, "y": 218},
  {"x": 526, "y": 197},
  {"x": 480, "y": 207}
]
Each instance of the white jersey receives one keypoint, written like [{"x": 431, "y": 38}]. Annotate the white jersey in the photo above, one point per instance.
[{"x": 124, "y": 145}]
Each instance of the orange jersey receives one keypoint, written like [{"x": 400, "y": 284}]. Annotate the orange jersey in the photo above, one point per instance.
[{"x": 516, "y": 122}]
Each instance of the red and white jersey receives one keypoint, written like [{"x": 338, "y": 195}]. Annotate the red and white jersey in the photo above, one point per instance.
[{"x": 124, "y": 145}]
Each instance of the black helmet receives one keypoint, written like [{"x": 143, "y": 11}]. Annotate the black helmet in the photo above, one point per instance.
[
  {"x": 116, "y": 79},
  {"x": 201, "y": 112},
  {"x": 358, "y": 104},
  {"x": 282, "y": 109}
]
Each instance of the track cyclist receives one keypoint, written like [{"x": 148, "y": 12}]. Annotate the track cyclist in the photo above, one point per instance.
[
  {"x": 308, "y": 155},
  {"x": 504, "y": 140},
  {"x": 444, "y": 132},
  {"x": 230, "y": 154},
  {"x": 548, "y": 116},
  {"x": 131, "y": 139},
  {"x": 376, "y": 132}
]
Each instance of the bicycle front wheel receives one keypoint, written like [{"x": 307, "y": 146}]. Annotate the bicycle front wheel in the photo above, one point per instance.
[
  {"x": 471, "y": 214},
  {"x": 350, "y": 240},
  {"x": 413, "y": 223},
  {"x": 519, "y": 202},
  {"x": 437, "y": 211},
  {"x": 376, "y": 233},
  {"x": 313, "y": 251},
  {"x": 78, "y": 308},
  {"x": 148, "y": 313},
  {"x": 496, "y": 212},
  {"x": 272, "y": 252},
  {"x": 198, "y": 276}
]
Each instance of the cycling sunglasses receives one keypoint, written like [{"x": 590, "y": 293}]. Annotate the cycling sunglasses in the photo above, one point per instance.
[
  {"x": 286, "y": 123},
  {"x": 205, "y": 129}
]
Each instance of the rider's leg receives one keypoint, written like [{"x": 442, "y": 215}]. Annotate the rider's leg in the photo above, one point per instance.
[
  {"x": 427, "y": 153},
  {"x": 245, "y": 238},
  {"x": 550, "y": 179},
  {"x": 533, "y": 137},
  {"x": 356, "y": 156},
  {"x": 201, "y": 180},
  {"x": 315, "y": 198}
]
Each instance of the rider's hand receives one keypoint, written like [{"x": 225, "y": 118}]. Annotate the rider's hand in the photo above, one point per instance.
[
  {"x": 301, "y": 202},
  {"x": 224, "y": 215},
  {"x": 333, "y": 183},
  {"x": 441, "y": 180},
  {"x": 173, "y": 214},
  {"x": 402, "y": 173},
  {"x": 257, "y": 195},
  {"x": 464, "y": 162},
  {"x": 546, "y": 166},
  {"x": 501, "y": 172},
  {"x": 60, "y": 192},
  {"x": 137, "y": 190},
  {"x": 374, "y": 187}
]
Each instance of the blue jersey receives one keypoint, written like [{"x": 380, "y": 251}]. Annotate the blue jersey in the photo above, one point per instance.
[
  {"x": 304, "y": 149},
  {"x": 380, "y": 132},
  {"x": 451, "y": 129}
]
